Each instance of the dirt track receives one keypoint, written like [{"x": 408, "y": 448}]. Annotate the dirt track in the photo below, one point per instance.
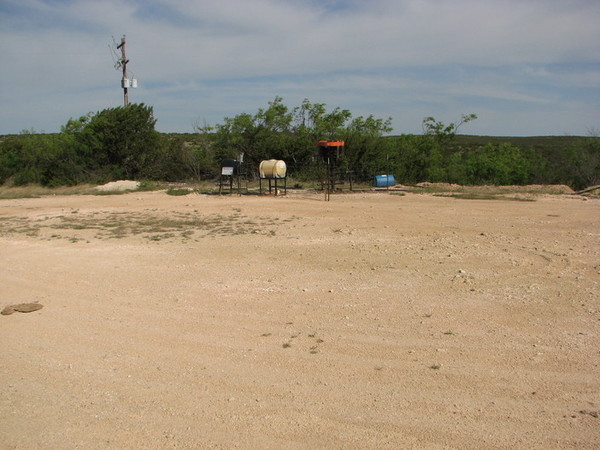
[{"x": 370, "y": 321}]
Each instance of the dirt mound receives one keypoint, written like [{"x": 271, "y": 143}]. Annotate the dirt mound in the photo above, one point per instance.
[
  {"x": 542, "y": 188},
  {"x": 533, "y": 188},
  {"x": 121, "y": 185}
]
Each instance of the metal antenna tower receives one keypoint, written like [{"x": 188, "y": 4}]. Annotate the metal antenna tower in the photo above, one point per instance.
[
  {"x": 121, "y": 63},
  {"x": 124, "y": 80}
]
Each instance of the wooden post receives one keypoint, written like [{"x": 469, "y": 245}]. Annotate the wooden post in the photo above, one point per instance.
[{"x": 124, "y": 62}]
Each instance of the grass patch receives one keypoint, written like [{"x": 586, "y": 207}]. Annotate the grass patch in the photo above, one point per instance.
[
  {"x": 147, "y": 185},
  {"x": 36, "y": 191},
  {"x": 148, "y": 225},
  {"x": 160, "y": 237},
  {"x": 178, "y": 191},
  {"x": 9, "y": 191}
]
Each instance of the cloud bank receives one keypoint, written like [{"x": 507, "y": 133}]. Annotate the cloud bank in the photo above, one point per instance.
[{"x": 525, "y": 67}]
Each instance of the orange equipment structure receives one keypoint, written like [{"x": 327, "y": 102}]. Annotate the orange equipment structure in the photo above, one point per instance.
[{"x": 329, "y": 152}]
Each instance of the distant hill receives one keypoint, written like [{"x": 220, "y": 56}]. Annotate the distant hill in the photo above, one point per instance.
[{"x": 535, "y": 142}]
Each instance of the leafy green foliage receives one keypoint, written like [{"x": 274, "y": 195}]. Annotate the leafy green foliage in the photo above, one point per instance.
[
  {"x": 112, "y": 144},
  {"x": 501, "y": 164},
  {"x": 46, "y": 159},
  {"x": 445, "y": 133},
  {"x": 581, "y": 163},
  {"x": 122, "y": 142},
  {"x": 290, "y": 134}
]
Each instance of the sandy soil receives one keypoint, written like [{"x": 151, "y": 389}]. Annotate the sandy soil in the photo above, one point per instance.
[{"x": 375, "y": 320}]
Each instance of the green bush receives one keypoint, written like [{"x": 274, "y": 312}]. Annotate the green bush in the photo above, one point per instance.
[{"x": 122, "y": 142}]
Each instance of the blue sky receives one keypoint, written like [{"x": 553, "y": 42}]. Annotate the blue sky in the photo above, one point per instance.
[{"x": 526, "y": 68}]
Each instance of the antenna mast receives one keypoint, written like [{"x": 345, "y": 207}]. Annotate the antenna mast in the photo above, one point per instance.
[{"x": 123, "y": 63}]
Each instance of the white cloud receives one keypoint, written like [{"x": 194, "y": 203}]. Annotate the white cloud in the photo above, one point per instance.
[{"x": 380, "y": 57}]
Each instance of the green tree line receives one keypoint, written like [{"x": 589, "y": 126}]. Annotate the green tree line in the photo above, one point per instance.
[{"x": 122, "y": 143}]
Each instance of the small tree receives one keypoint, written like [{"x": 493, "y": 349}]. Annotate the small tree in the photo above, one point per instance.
[
  {"x": 445, "y": 133},
  {"x": 439, "y": 146},
  {"x": 199, "y": 156},
  {"x": 121, "y": 142},
  {"x": 367, "y": 150}
]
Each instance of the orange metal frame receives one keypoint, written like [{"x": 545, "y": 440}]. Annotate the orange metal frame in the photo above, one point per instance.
[{"x": 330, "y": 143}]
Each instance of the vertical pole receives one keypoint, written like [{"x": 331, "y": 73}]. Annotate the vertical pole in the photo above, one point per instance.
[
  {"x": 124, "y": 62},
  {"x": 328, "y": 191},
  {"x": 387, "y": 171}
]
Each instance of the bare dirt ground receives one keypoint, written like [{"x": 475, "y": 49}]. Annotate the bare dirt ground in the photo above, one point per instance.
[{"x": 375, "y": 320}]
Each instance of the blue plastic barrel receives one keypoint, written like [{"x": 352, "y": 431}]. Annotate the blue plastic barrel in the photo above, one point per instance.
[{"x": 384, "y": 180}]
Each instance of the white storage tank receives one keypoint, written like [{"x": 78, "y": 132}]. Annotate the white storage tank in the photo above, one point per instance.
[{"x": 272, "y": 168}]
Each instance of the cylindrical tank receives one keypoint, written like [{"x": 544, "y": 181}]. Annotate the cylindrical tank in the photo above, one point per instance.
[
  {"x": 272, "y": 168},
  {"x": 384, "y": 180}
]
